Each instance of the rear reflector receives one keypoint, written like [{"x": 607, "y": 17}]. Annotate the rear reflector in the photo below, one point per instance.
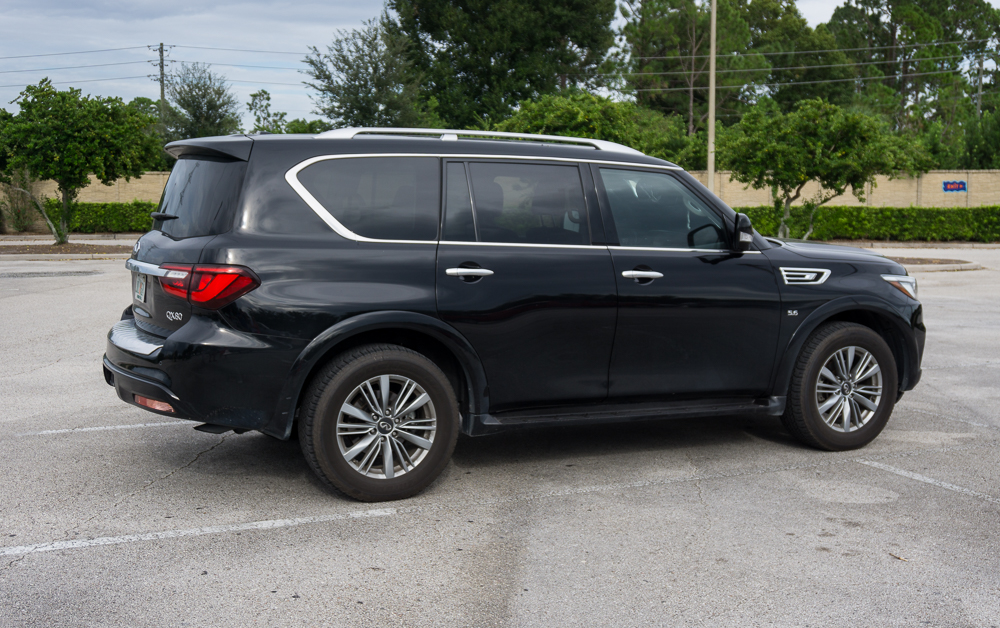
[
  {"x": 208, "y": 286},
  {"x": 153, "y": 404}
]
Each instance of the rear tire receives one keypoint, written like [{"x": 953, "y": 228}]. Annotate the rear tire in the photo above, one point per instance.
[
  {"x": 843, "y": 388},
  {"x": 379, "y": 423}
]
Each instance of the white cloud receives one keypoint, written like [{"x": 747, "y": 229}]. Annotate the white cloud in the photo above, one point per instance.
[{"x": 35, "y": 28}]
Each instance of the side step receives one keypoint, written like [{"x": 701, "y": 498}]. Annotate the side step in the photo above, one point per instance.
[
  {"x": 212, "y": 428},
  {"x": 479, "y": 424}
]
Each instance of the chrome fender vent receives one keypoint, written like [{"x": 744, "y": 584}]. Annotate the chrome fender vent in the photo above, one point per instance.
[{"x": 804, "y": 276}]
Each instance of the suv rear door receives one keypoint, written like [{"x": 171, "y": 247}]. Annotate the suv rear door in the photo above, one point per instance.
[
  {"x": 518, "y": 275},
  {"x": 202, "y": 192}
]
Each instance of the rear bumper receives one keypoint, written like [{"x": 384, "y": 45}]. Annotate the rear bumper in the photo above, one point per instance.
[{"x": 206, "y": 371}]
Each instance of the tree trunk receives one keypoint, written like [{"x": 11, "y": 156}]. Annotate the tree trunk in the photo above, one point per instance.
[
  {"x": 783, "y": 231},
  {"x": 63, "y": 236},
  {"x": 41, "y": 210}
]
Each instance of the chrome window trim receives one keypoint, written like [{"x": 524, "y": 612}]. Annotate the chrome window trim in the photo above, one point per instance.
[
  {"x": 670, "y": 250},
  {"x": 526, "y": 244},
  {"x": 824, "y": 274},
  {"x": 292, "y": 178}
]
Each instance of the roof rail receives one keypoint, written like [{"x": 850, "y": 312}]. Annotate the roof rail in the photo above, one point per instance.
[{"x": 452, "y": 135}]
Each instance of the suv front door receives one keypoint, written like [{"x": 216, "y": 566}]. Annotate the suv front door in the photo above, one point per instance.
[
  {"x": 695, "y": 318},
  {"x": 518, "y": 275}
]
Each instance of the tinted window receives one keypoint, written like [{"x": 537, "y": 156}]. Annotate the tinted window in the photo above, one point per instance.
[
  {"x": 458, "y": 222},
  {"x": 202, "y": 192},
  {"x": 388, "y": 198},
  {"x": 653, "y": 209},
  {"x": 529, "y": 203}
]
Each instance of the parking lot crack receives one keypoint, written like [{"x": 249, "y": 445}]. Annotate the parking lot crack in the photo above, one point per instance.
[{"x": 148, "y": 485}]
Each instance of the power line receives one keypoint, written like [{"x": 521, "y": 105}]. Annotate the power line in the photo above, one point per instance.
[
  {"x": 238, "y": 65},
  {"x": 273, "y": 52},
  {"x": 264, "y": 82},
  {"x": 79, "y": 52},
  {"x": 798, "y": 67},
  {"x": 803, "y": 52},
  {"x": 73, "y": 67},
  {"x": 117, "y": 78},
  {"x": 860, "y": 78}
]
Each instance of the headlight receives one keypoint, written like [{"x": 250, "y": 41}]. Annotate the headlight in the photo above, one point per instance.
[{"x": 904, "y": 283}]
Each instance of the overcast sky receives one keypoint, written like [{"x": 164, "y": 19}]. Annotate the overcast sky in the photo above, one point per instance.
[{"x": 48, "y": 27}]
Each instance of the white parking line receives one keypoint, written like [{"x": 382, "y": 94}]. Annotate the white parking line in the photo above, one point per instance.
[
  {"x": 175, "y": 534},
  {"x": 102, "y": 428},
  {"x": 931, "y": 481},
  {"x": 507, "y": 499}
]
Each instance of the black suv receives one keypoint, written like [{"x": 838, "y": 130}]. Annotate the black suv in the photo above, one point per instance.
[{"x": 382, "y": 290}]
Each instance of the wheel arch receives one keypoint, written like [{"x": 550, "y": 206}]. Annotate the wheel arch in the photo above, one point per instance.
[
  {"x": 424, "y": 334},
  {"x": 873, "y": 313}
]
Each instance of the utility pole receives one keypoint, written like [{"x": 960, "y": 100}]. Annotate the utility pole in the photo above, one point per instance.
[
  {"x": 711, "y": 105},
  {"x": 162, "y": 92},
  {"x": 979, "y": 97}
]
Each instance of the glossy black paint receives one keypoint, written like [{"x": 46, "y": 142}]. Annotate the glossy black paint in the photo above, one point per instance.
[{"x": 556, "y": 335}]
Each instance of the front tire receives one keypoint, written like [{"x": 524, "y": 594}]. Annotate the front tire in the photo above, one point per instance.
[
  {"x": 843, "y": 388},
  {"x": 379, "y": 423}
]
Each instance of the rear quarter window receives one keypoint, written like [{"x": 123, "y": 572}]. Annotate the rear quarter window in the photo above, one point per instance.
[
  {"x": 202, "y": 192},
  {"x": 385, "y": 198}
]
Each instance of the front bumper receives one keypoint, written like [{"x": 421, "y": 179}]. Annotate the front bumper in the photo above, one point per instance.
[{"x": 206, "y": 371}]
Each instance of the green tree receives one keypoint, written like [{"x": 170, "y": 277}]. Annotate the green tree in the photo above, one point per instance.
[
  {"x": 365, "y": 79},
  {"x": 267, "y": 121},
  {"x": 479, "y": 58},
  {"x": 65, "y": 137},
  {"x": 309, "y": 127},
  {"x": 799, "y": 55},
  {"x": 264, "y": 120},
  {"x": 201, "y": 104},
  {"x": 582, "y": 114},
  {"x": 666, "y": 45},
  {"x": 156, "y": 159},
  {"x": 816, "y": 142},
  {"x": 983, "y": 143}
]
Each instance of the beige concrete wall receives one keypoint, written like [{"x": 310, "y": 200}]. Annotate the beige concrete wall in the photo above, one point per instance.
[
  {"x": 923, "y": 191},
  {"x": 148, "y": 187}
]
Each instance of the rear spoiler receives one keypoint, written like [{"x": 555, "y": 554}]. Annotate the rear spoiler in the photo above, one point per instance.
[{"x": 231, "y": 146}]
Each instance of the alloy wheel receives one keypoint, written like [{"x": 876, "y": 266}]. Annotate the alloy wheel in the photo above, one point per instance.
[
  {"x": 386, "y": 426},
  {"x": 849, "y": 389}
]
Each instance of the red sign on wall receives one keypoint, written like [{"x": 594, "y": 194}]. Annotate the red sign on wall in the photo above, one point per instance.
[{"x": 954, "y": 186}]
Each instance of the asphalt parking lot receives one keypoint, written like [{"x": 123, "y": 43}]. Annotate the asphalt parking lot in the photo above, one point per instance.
[{"x": 113, "y": 516}]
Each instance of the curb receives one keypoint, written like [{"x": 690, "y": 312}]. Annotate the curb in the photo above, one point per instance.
[
  {"x": 880, "y": 244},
  {"x": 74, "y": 237},
  {"x": 55, "y": 257},
  {"x": 930, "y": 268}
]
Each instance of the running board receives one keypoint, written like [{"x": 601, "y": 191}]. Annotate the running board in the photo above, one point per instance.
[{"x": 480, "y": 424}]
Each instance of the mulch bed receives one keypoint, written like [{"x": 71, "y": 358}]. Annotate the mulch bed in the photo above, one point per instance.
[
  {"x": 63, "y": 249},
  {"x": 912, "y": 261}
]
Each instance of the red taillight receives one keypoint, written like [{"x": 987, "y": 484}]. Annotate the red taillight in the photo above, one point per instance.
[
  {"x": 177, "y": 280},
  {"x": 216, "y": 286},
  {"x": 210, "y": 287}
]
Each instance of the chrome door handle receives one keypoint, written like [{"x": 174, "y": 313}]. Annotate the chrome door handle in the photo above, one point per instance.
[
  {"x": 468, "y": 272},
  {"x": 641, "y": 274}
]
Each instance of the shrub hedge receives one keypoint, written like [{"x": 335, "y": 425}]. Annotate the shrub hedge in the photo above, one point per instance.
[
  {"x": 106, "y": 217},
  {"x": 975, "y": 224},
  {"x": 972, "y": 224}
]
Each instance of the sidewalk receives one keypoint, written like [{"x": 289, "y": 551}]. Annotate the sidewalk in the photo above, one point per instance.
[{"x": 101, "y": 239}]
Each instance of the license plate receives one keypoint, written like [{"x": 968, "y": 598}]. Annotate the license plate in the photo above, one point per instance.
[{"x": 140, "y": 288}]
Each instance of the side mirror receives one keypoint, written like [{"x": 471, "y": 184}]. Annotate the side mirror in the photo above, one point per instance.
[{"x": 743, "y": 237}]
